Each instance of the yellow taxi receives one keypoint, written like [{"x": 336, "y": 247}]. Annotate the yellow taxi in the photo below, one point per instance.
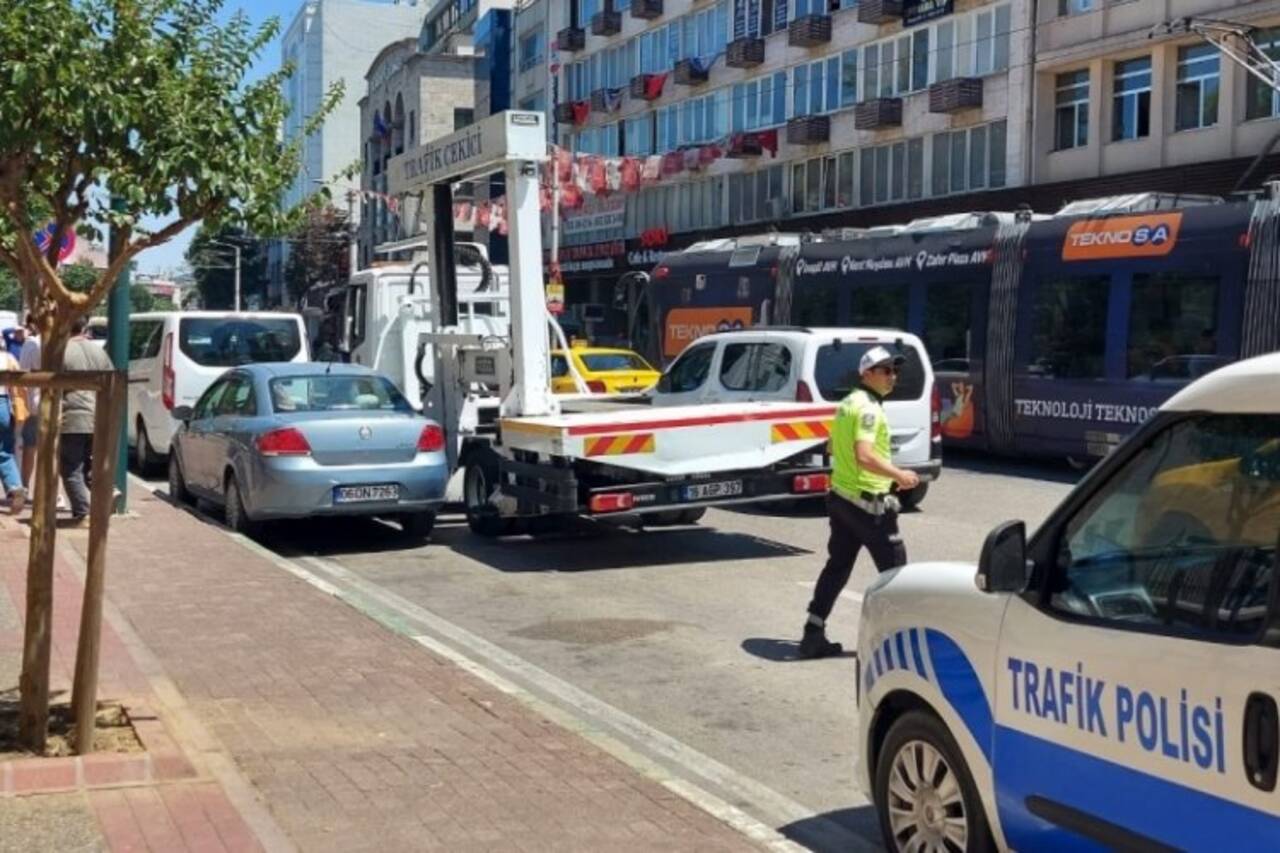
[{"x": 606, "y": 370}]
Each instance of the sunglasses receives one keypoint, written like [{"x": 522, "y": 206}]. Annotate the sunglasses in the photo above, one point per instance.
[{"x": 887, "y": 368}]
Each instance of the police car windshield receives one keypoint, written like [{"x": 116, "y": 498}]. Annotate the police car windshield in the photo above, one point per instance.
[{"x": 836, "y": 371}]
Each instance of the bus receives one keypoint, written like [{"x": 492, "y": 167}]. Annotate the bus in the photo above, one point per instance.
[{"x": 1049, "y": 335}]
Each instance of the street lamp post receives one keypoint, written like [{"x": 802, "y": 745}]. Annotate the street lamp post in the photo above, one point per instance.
[{"x": 236, "y": 248}]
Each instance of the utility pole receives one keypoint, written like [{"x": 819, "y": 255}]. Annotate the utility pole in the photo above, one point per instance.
[
  {"x": 234, "y": 247},
  {"x": 353, "y": 257}
]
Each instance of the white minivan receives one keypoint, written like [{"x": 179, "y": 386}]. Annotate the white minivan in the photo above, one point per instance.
[
  {"x": 175, "y": 356},
  {"x": 814, "y": 365}
]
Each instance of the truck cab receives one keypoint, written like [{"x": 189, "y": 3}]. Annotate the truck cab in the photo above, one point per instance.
[{"x": 1109, "y": 683}]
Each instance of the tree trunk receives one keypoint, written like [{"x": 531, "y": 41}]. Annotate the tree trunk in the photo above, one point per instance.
[{"x": 33, "y": 720}]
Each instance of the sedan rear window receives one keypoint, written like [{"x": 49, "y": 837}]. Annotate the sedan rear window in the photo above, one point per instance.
[
  {"x": 232, "y": 341},
  {"x": 836, "y": 371},
  {"x": 604, "y": 362},
  {"x": 336, "y": 393}
]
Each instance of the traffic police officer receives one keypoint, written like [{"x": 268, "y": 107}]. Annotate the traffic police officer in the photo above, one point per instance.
[{"x": 861, "y": 509}]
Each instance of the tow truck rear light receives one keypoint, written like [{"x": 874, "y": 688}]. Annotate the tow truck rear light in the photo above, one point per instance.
[
  {"x": 803, "y": 392},
  {"x": 283, "y": 442},
  {"x": 805, "y": 484},
  {"x": 612, "y": 502},
  {"x": 595, "y": 386},
  {"x": 431, "y": 440},
  {"x": 935, "y": 414},
  {"x": 167, "y": 379}
]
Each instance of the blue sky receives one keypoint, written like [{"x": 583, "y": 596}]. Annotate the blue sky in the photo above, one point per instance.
[{"x": 170, "y": 255}]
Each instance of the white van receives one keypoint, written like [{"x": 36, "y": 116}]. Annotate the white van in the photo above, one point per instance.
[
  {"x": 175, "y": 356},
  {"x": 1111, "y": 683},
  {"x": 813, "y": 365}
]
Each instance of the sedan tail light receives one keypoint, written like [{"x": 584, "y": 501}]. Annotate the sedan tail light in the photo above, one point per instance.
[
  {"x": 283, "y": 442},
  {"x": 431, "y": 440},
  {"x": 595, "y": 386}
]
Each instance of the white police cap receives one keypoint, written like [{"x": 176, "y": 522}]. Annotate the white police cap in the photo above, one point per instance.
[{"x": 877, "y": 356}]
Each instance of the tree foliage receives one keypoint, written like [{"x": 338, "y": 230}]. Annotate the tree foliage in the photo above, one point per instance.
[
  {"x": 213, "y": 265},
  {"x": 114, "y": 113},
  {"x": 319, "y": 253},
  {"x": 141, "y": 300}
]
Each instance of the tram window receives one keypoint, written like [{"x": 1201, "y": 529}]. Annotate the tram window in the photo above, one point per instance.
[
  {"x": 1069, "y": 328},
  {"x": 883, "y": 306},
  {"x": 1173, "y": 325},
  {"x": 815, "y": 305},
  {"x": 947, "y": 320}
]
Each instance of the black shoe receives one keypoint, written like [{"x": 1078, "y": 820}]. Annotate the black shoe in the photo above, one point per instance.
[{"x": 815, "y": 644}]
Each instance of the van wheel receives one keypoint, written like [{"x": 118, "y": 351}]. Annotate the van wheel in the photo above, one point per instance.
[
  {"x": 233, "y": 509},
  {"x": 924, "y": 793},
  {"x": 479, "y": 483},
  {"x": 145, "y": 456},
  {"x": 178, "y": 494},
  {"x": 911, "y": 499}
]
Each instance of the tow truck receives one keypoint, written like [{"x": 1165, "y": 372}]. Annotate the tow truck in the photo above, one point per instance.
[{"x": 550, "y": 457}]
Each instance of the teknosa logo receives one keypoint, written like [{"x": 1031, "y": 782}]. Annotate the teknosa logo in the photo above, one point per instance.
[
  {"x": 686, "y": 325},
  {"x": 1146, "y": 236}
]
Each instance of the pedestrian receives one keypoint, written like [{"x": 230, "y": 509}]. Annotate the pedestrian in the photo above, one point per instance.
[
  {"x": 862, "y": 510},
  {"x": 13, "y": 412},
  {"x": 29, "y": 360},
  {"x": 75, "y": 452}
]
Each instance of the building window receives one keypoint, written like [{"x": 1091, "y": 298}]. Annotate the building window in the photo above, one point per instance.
[
  {"x": 966, "y": 160},
  {"x": 1262, "y": 100},
  {"x": 1074, "y": 7},
  {"x": 462, "y": 117},
  {"x": 760, "y": 103},
  {"x": 1131, "y": 99},
  {"x": 1198, "y": 79},
  {"x": 1071, "y": 110},
  {"x": 531, "y": 46},
  {"x": 991, "y": 39},
  {"x": 849, "y": 78},
  {"x": 535, "y": 103},
  {"x": 413, "y": 126}
]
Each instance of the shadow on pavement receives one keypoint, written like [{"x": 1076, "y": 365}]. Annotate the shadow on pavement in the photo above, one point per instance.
[
  {"x": 590, "y": 547},
  {"x": 780, "y": 651},
  {"x": 814, "y": 833},
  {"x": 1026, "y": 469}
]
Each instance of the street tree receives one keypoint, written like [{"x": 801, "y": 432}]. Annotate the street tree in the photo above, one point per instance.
[
  {"x": 116, "y": 113},
  {"x": 141, "y": 300},
  {"x": 319, "y": 252}
]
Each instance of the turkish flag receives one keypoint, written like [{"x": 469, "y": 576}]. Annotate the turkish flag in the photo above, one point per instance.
[
  {"x": 598, "y": 180},
  {"x": 769, "y": 141},
  {"x": 483, "y": 214},
  {"x": 581, "y": 110},
  {"x": 653, "y": 85}
]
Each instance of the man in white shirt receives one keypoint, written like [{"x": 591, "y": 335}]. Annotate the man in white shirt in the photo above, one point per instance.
[{"x": 29, "y": 360}]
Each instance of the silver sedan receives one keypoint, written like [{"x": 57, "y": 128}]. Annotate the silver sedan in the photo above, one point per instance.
[{"x": 278, "y": 441}]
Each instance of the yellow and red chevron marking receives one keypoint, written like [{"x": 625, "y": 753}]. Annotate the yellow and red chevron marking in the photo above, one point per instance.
[
  {"x": 617, "y": 445},
  {"x": 800, "y": 430}
]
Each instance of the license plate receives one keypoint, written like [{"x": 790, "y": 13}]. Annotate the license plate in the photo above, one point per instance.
[
  {"x": 365, "y": 494},
  {"x": 708, "y": 491}
]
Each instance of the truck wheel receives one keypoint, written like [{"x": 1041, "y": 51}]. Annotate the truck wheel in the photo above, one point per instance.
[
  {"x": 479, "y": 482},
  {"x": 913, "y": 498},
  {"x": 925, "y": 797},
  {"x": 418, "y": 525}
]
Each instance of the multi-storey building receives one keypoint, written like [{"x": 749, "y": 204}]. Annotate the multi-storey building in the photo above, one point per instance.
[
  {"x": 330, "y": 41},
  {"x": 410, "y": 97},
  {"x": 824, "y": 110}
]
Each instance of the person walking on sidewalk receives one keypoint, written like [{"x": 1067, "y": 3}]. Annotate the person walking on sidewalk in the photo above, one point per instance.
[
  {"x": 862, "y": 511},
  {"x": 75, "y": 453},
  {"x": 29, "y": 360},
  {"x": 13, "y": 412}
]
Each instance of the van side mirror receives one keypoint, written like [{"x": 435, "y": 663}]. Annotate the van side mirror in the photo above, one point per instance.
[
  {"x": 183, "y": 413},
  {"x": 1003, "y": 564}
]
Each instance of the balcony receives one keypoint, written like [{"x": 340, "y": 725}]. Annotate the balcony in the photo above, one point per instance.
[
  {"x": 643, "y": 87},
  {"x": 646, "y": 10},
  {"x": 879, "y": 11},
  {"x": 691, "y": 72},
  {"x": 564, "y": 112},
  {"x": 809, "y": 130},
  {"x": 606, "y": 23},
  {"x": 743, "y": 145},
  {"x": 958, "y": 93},
  {"x": 745, "y": 52},
  {"x": 878, "y": 113},
  {"x": 571, "y": 39},
  {"x": 809, "y": 31},
  {"x": 602, "y": 102}
]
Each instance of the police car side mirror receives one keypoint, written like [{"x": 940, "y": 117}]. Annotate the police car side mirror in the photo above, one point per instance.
[{"x": 1003, "y": 564}]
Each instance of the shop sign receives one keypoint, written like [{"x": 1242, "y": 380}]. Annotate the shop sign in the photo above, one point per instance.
[{"x": 918, "y": 11}]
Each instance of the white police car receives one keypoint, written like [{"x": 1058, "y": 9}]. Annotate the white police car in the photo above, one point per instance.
[{"x": 1113, "y": 682}]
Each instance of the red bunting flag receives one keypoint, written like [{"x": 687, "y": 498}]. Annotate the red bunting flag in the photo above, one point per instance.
[
  {"x": 653, "y": 85},
  {"x": 581, "y": 111},
  {"x": 769, "y": 141},
  {"x": 630, "y": 174}
]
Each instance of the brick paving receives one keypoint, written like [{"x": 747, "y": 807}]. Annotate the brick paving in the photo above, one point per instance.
[{"x": 354, "y": 737}]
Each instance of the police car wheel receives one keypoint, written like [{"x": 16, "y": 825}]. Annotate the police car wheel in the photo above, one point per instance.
[{"x": 925, "y": 797}]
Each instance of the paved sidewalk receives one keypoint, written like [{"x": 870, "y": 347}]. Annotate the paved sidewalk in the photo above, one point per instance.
[{"x": 353, "y": 737}]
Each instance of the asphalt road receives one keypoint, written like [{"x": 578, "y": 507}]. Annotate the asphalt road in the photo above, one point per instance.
[{"x": 691, "y": 630}]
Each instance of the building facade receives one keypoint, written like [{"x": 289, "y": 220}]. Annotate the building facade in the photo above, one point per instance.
[
  {"x": 326, "y": 42},
  {"x": 820, "y": 110},
  {"x": 409, "y": 97}
]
